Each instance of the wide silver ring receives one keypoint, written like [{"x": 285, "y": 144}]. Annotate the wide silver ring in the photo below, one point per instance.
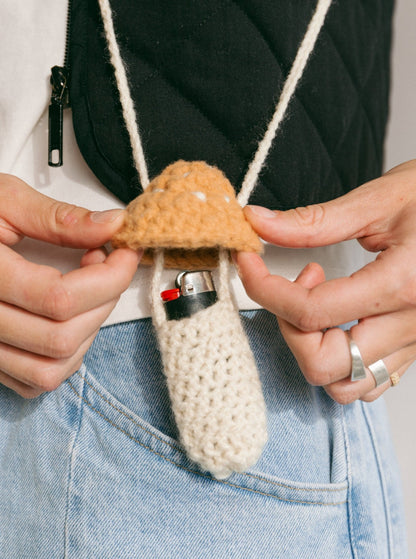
[
  {"x": 380, "y": 372},
  {"x": 358, "y": 371}
]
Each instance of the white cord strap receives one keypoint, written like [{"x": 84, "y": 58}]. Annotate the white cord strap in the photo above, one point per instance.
[
  {"x": 129, "y": 113},
  {"x": 159, "y": 314},
  {"x": 305, "y": 50}
]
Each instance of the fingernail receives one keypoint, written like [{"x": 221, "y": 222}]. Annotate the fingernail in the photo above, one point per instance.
[
  {"x": 262, "y": 212},
  {"x": 107, "y": 216}
]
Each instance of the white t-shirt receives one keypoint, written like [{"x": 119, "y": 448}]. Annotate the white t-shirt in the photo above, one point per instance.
[{"x": 31, "y": 42}]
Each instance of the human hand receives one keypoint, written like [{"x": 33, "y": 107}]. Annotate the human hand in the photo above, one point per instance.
[
  {"x": 48, "y": 320},
  {"x": 382, "y": 295}
]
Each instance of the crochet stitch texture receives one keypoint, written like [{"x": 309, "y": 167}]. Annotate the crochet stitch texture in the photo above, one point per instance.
[
  {"x": 214, "y": 389},
  {"x": 190, "y": 210}
]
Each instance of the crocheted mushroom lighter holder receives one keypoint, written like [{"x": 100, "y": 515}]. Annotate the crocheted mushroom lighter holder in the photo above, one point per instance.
[{"x": 191, "y": 212}]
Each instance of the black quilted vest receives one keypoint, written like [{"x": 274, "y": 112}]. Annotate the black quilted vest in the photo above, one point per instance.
[{"x": 205, "y": 76}]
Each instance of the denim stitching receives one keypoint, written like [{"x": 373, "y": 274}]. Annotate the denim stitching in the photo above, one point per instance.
[
  {"x": 179, "y": 449},
  {"x": 131, "y": 419},
  {"x": 279, "y": 484},
  {"x": 349, "y": 479},
  {"x": 193, "y": 471},
  {"x": 382, "y": 479},
  {"x": 71, "y": 465}
]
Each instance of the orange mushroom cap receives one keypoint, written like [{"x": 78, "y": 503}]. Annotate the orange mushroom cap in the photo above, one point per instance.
[{"x": 190, "y": 210}]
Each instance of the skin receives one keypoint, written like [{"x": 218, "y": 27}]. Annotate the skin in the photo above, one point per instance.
[
  {"x": 381, "y": 215},
  {"x": 48, "y": 320}
]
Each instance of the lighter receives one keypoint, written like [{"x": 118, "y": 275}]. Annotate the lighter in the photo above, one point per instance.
[{"x": 194, "y": 291}]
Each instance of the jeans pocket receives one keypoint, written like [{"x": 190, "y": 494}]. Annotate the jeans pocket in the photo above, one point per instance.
[
  {"x": 133, "y": 492},
  {"x": 115, "y": 422},
  {"x": 304, "y": 460}
]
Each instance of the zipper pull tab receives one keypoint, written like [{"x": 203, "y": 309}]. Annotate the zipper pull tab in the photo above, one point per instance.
[{"x": 59, "y": 101}]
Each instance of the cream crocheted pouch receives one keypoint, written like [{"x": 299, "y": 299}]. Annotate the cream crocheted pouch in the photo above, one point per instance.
[{"x": 213, "y": 383}]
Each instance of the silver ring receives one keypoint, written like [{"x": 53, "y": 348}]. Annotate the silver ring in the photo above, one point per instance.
[
  {"x": 358, "y": 371},
  {"x": 380, "y": 372}
]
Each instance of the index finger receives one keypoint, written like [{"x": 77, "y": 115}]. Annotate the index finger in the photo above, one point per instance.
[
  {"x": 372, "y": 290},
  {"x": 43, "y": 290}
]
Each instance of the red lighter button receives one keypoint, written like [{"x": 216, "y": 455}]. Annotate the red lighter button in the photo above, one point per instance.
[{"x": 170, "y": 294}]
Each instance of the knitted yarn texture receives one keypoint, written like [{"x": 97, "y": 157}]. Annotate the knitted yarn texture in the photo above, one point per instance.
[
  {"x": 214, "y": 389},
  {"x": 190, "y": 210}
]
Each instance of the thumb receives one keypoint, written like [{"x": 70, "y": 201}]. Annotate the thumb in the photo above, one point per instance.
[
  {"x": 311, "y": 276},
  {"x": 26, "y": 212},
  {"x": 353, "y": 215}
]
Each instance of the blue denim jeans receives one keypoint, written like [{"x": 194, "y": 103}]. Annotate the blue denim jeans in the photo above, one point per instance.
[{"x": 94, "y": 469}]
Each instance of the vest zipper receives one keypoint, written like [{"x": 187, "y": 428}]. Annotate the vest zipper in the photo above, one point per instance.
[{"x": 59, "y": 101}]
